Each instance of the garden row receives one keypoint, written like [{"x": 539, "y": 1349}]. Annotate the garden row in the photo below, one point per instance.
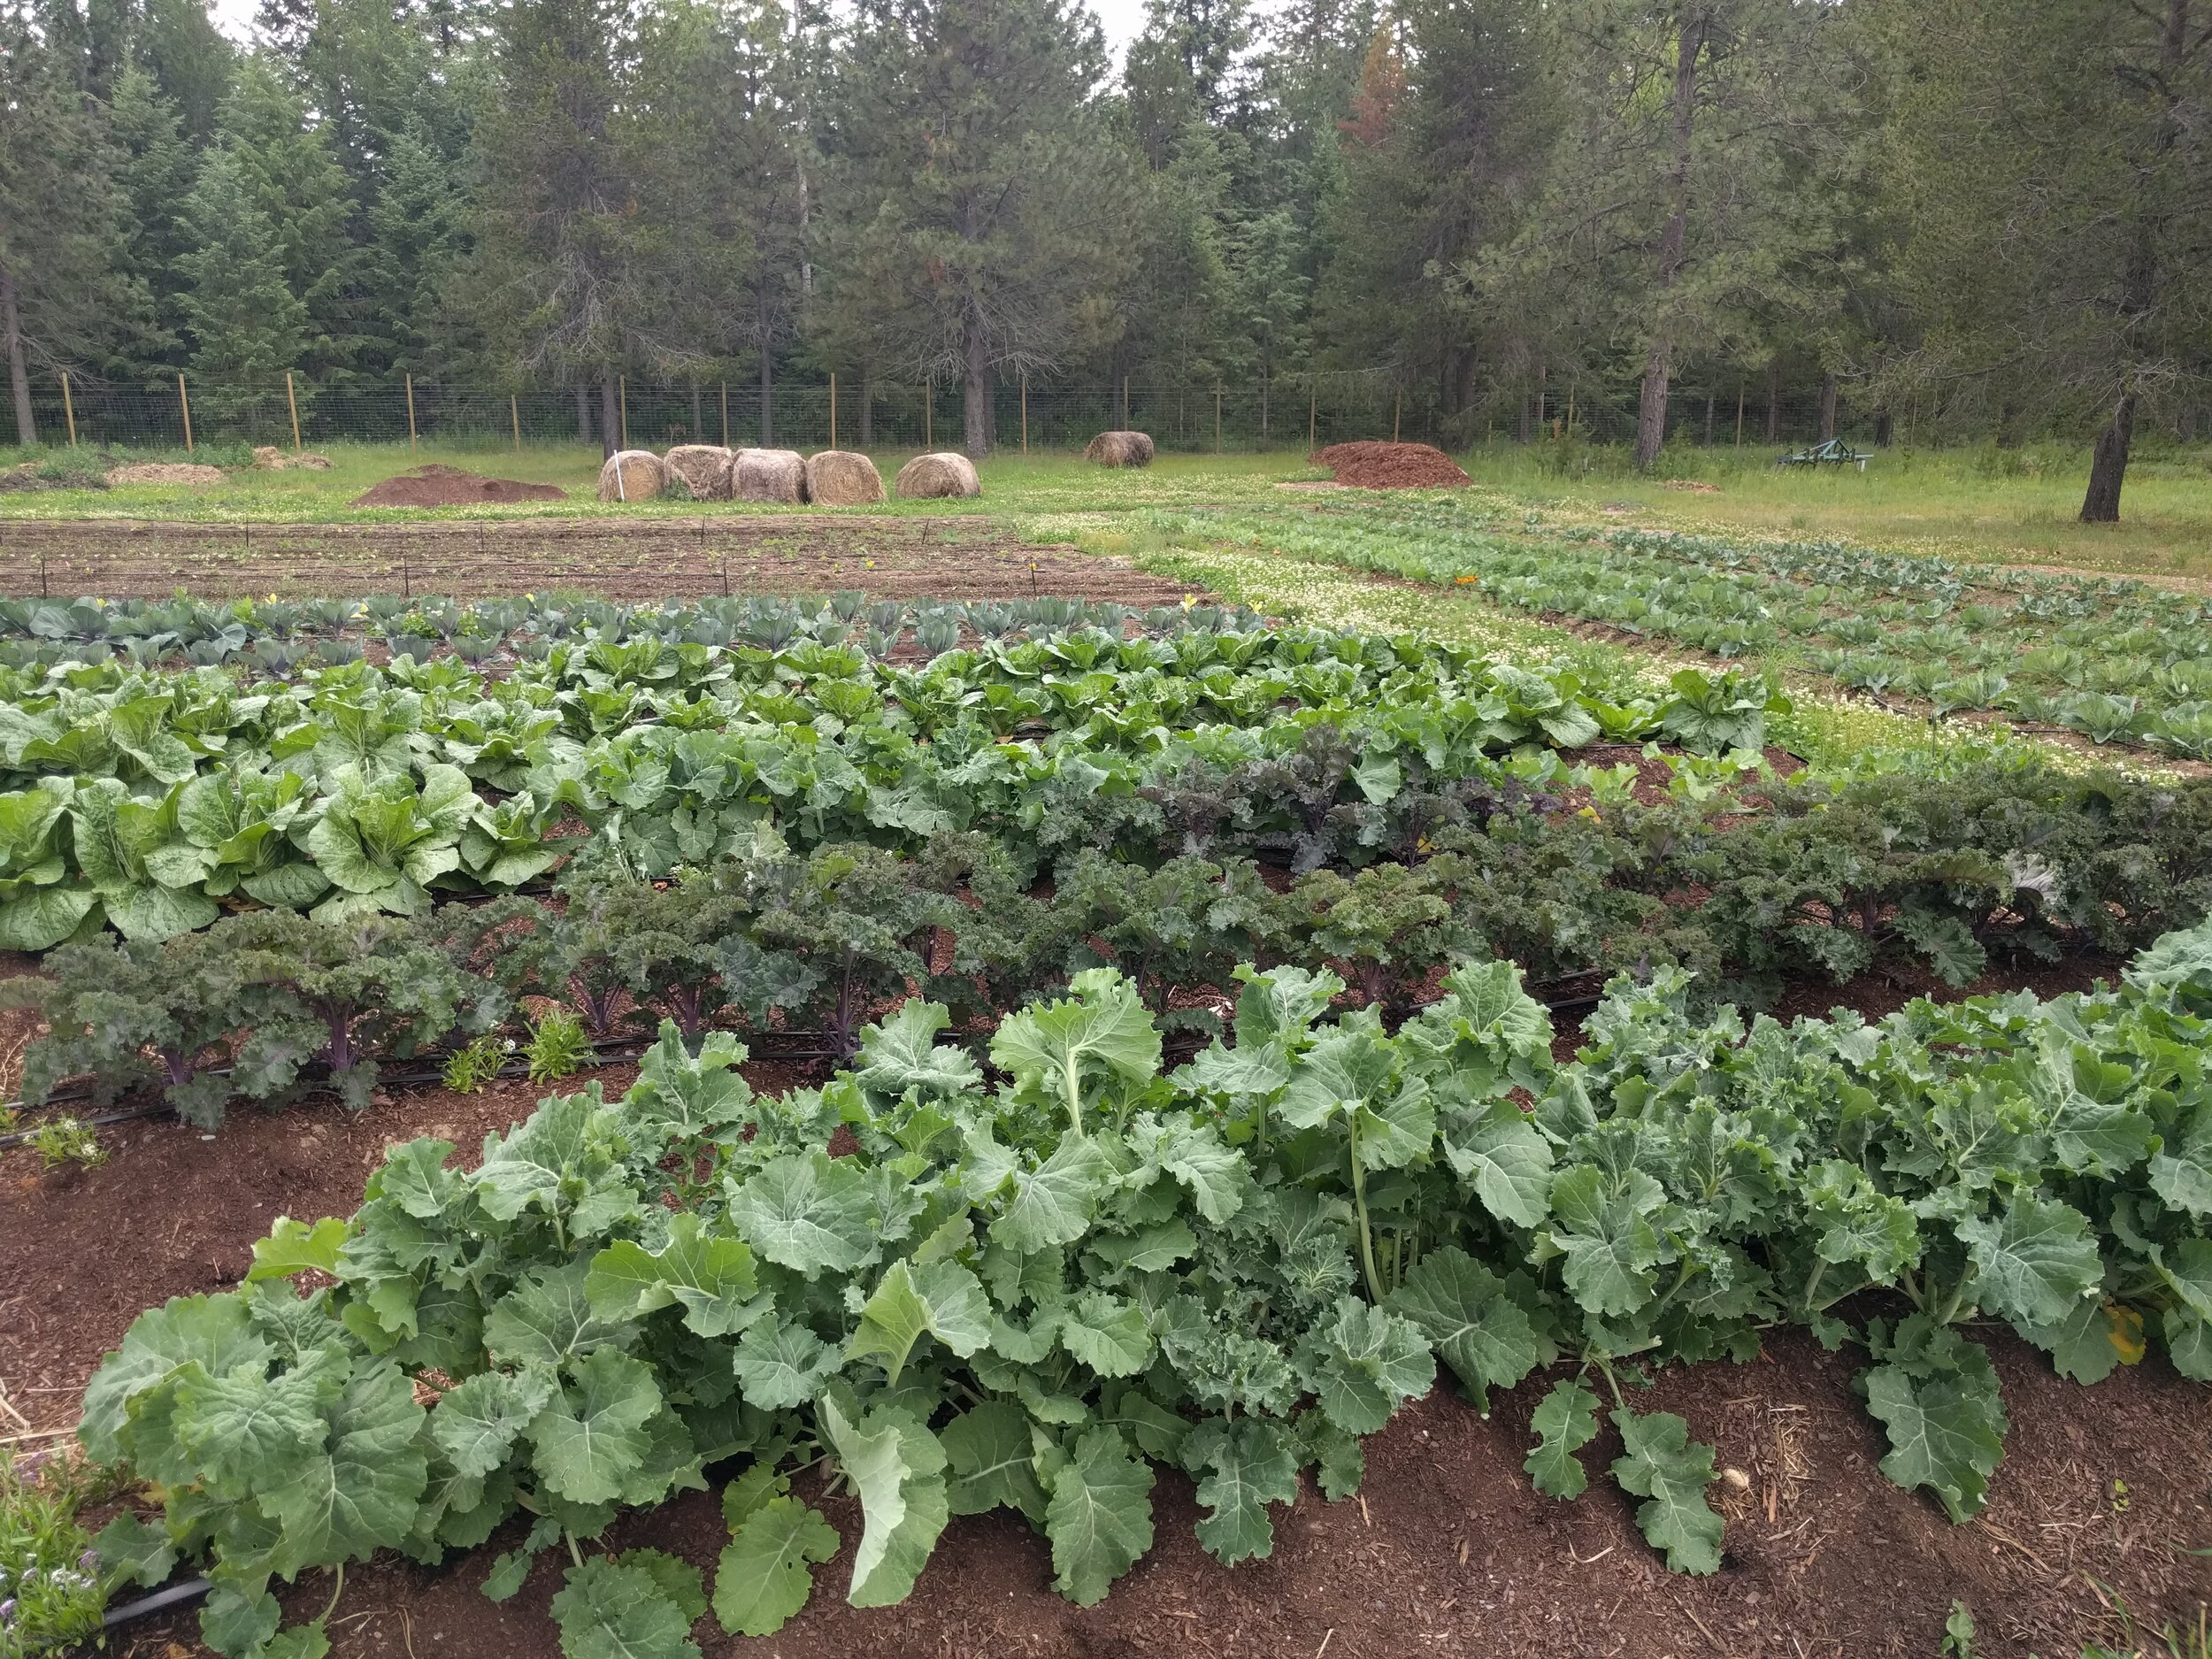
[
  {"x": 2115, "y": 660},
  {"x": 1982, "y": 866},
  {"x": 273, "y": 636},
  {"x": 1027, "y": 1295},
  {"x": 150, "y": 801}
]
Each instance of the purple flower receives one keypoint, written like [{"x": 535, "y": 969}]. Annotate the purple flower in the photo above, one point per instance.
[
  {"x": 89, "y": 1561},
  {"x": 7, "y": 1611}
]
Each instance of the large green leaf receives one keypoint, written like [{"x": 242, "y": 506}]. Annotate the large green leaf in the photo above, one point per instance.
[
  {"x": 766, "y": 1573},
  {"x": 1102, "y": 1029},
  {"x": 592, "y": 1435},
  {"x": 1106, "y": 1333},
  {"x": 809, "y": 1212},
  {"x": 902, "y": 1053},
  {"x": 710, "y": 1277},
  {"x": 690, "y": 1095},
  {"x": 2035, "y": 1261},
  {"x": 1364, "y": 1362},
  {"x": 897, "y": 1468},
  {"x": 1100, "y": 1515},
  {"x": 993, "y": 1461},
  {"x": 1503, "y": 1156},
  {"x": 478, "y": 1421},
  {"x": 360, "y": 1495},
  {"x": 1936, "y": 1394},
  {"x": 1482, "y": 1334},
  {"x": 1565, "y": 1421},
  {"x": 1663, "y": 1466},
  {"x": 637, "y": 1605},
  {"x": 211, "y": 1331},
  {"x": 1246, "y": 1466},
  {"x": 549, "y": 1318},
  {"x": 1610, "y": 1247},
  {"x": 780, "y": 1364},
  {"x": 941, "y": 1298},
  {"x": 1054, "y": 1202}
]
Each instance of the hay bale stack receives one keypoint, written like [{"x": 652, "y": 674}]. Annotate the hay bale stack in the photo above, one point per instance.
[
  {"x": 928, "y": 477},
  {"x": 1121, "y": 449},
  {"x": 633, "y": 475},
  {"x": 768, "y": 475},
  {"x": 704, "y": 469},
  {"x": 842, "y": 478}
]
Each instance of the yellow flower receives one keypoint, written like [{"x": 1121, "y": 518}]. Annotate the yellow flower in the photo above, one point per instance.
[{"x": 1190, "y": 599}]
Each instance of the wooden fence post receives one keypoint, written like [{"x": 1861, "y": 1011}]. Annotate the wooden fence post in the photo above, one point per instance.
[
  {"x": 410, "y": 412},
  {"x": 292, "y": 403},
  {"x": 514, "y": 417},
  {"x": 929, "y": 396},
  {"x": 622, "y": 400},
  {"x": 725, "y": 418},
  {"x": 1739, "y": 414},
  {"x": 1313, "y": 410},
  {"x": 184, "y": 402},
  {"x": 1217, "y": 418},
  {"x": 832, "y": 443},
  {"x": 68, "y": 409},
  {"x": 1572, "y": 388},
  {"x": 1024, "y": 414},
  {"x": 1397, "y": 408}
]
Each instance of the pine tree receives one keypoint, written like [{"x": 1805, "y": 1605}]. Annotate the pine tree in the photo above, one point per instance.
[
  {"x": 245, "y": 324},
  {"x": 981, "y": 191},
  {"x": 418, "y": 234},
  {"x": 156, "y": 169}
]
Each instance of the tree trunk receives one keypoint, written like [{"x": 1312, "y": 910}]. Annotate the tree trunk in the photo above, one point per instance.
[
  {"x": 2109, "y": 465},
  {"x": 583, "y": 412},
  {"x": 767, "y": 398},
  {"x": 975, "y": 397},
  {"x": 1527, "y": 429},
  {"x": 1651, "y": 402},
  {"x": 610, "y": 416},
  {"x": 1709, "y": 421},
  {"x": 698, "y": 433},
  {"x": 2188, "y": 433},
  {"x": 18, "y": 369},
  {"x": 1883, "y": 424},
  {"x": 867, "y": 409},
  {"x": 1774, "y": 405},
  {"x": 1827, "y": 406}
]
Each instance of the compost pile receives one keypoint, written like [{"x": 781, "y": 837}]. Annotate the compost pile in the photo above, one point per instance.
[
  {"x": 440, "y": 486},
  {"x": 1391, "y": 465}
]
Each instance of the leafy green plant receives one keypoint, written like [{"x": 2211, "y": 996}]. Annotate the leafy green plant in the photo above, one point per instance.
[
  {"x": 558, "y": 1047},
  {"x": 470, "y": 1068},
  {"x": 52, "y": 1587},
  {"x": 65, "y": 1139}
]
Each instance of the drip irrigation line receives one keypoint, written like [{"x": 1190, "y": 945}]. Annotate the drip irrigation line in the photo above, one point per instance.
[{"x": 160, "y": 1600}]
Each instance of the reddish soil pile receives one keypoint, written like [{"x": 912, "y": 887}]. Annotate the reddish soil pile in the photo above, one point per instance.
[
  {"x": 1391, "y": 465},
  {"x": 441, "y": 486}
]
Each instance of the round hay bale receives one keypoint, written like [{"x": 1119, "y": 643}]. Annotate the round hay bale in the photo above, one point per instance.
[
  {"x": 704, "y": 469},
  {"x": 946, "y": 472},
  {"x": 1121, "y": 449},
  {"x": 768, "y": 475},
  {"x": 633, "y": 475},
  {"x": 842, "y": 478}
]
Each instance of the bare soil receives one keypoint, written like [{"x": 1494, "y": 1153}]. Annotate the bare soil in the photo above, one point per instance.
[
  {"x": 1370, "y": 466},
  {"x": 1448, "y": 1550},
  {"x": 438, "y": 484},
  {"x": 616, "y": 559}
]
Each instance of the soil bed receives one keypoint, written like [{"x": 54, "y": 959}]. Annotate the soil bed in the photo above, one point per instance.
[
  {"x": 1450, "y": 1551},
  {"x": 616, "y": 559},
  {"x": 1371, "y": 465},
  {"x": 438, "y": 484}
]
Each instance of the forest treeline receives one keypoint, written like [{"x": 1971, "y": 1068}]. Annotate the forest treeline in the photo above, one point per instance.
[{"x": 1984, "y": 219}]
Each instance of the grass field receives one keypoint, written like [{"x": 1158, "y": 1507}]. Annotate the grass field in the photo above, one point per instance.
[{"x": 2014, "y": 507}]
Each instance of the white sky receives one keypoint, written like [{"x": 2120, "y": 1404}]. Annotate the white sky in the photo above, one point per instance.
[{"x": 1122, "y": 19}]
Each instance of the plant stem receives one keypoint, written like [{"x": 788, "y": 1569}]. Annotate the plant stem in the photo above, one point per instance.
[
  {"x": 575, "y": 1554},
  {"x": 1359, "y": 1203},
  {"x": 337, "y": 1589}
]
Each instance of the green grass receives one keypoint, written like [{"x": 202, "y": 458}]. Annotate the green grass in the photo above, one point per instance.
[
  {"x": 2006, "y": 507},
  {"x": 1011, "y": 484},
  {"x": 2012, "y": 507}
]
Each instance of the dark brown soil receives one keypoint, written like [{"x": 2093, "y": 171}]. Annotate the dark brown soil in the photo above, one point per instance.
[
  {"x": 1371, "y": 465},
  {"x": 438, "y": 484},
  {"x": 1449, "y": 1551},
  {"x": 617, "y": 558}
]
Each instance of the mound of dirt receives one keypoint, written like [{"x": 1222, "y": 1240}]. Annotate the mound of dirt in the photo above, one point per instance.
[
  {"x": 941, "y": 474},
  {"x": 777, "y": 475},
  {"x": 438, "y": 484},
  {"x": 1391, "y": 465},
  {"x": 704, "y": 469},
  {"x": 1121, "y": 449},
  {"x": 269, "y": 458},
  {"x": 842, "y": 478},
  {"x": 164, "y": 473}
]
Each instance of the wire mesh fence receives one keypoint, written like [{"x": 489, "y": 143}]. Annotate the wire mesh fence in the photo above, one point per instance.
[{"x": 1290, "y": 413}]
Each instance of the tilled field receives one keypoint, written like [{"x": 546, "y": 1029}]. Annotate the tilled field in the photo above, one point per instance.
[{"x": 629, "y": 559}]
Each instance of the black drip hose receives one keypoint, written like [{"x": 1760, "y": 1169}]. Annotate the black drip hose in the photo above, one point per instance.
[{"x": 175, "y": 1595}]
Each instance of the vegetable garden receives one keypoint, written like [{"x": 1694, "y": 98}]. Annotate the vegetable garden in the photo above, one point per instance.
[{"x": 1203, "y": 1037}]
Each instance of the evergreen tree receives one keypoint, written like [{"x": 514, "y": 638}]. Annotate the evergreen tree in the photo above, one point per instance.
[
  {"x": 981, "y": 190},
  {"x": 245, "y": 324},
  {"x": 155, "y": 170},
  {"x": 418, "y": 235}
]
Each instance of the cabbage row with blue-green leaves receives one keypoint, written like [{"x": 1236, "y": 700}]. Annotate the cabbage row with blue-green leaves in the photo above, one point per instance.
[
  {"x": 2118, "y": 661},
  {"x": 1028, "y": 1294},
  {"x": 150, "y": 801}
]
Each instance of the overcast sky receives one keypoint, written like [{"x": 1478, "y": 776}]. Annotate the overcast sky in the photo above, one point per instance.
[{"x": 1122, "y": 18}]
